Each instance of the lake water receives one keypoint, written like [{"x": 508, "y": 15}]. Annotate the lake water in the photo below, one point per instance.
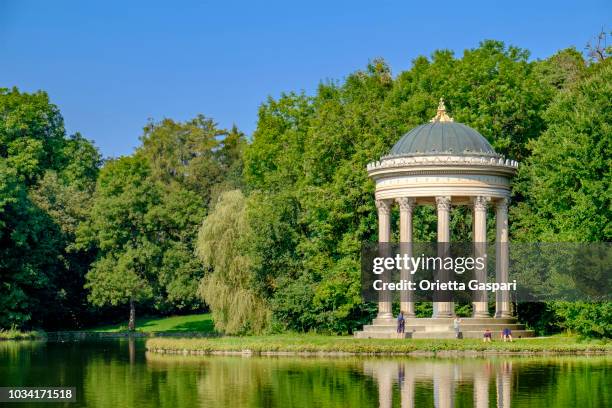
[{"x": 119, "y": 373}]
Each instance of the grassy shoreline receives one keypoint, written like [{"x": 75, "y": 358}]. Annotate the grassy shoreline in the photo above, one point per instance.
[
  {"x": 14, "y": 334},
  {"x": 295, "y": 344}
]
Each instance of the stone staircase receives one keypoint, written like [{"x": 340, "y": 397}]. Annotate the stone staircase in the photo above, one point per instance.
[{"x": 442, "y": 328}]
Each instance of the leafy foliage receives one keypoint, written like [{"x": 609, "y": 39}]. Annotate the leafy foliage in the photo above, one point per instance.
[
  {"x": 224, "y": 245},
  {"x": 566, "y": 181},
  {"x": 278, "y": 223},
  {"x": 586, "y": 319},
  {"x": 45, "y": 182},
  {"x": 121, "y": 227},
  {"x": 146, "y": 211},
  {"x": 310, "y": 153}
]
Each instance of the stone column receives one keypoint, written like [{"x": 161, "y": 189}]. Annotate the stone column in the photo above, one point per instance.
[
  {"x": 502, "y": 301},
  {"x": 406, "y": 207},
  {"x": 443, "y": 308},
  {"x": 384, "y": 237},
  {"x": 480, "y": 304}
]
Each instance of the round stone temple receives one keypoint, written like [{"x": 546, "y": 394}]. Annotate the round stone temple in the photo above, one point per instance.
[{"x": 444, "y": 164}]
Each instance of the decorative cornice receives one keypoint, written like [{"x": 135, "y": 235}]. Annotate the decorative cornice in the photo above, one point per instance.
[
  {"x": 406, "y": 203},
  {"x": 441, "y": 115},
  {"x": 390, "y": 162},
  {"x": 480, "y": 203},
  {"x": 384, "y": 206},
  {"x": 443, "y": 203}
]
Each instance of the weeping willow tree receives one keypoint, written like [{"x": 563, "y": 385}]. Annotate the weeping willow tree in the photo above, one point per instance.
[{"x": 225, "y": 247}]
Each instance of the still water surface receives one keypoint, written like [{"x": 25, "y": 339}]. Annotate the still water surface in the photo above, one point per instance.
[{"x": 119, "y": 373}]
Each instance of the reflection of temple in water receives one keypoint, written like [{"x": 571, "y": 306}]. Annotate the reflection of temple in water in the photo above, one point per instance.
[{"x": 444, "y": 377}]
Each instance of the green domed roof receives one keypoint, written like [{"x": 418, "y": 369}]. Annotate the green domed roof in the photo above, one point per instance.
[{"x": 442, "y": 136}]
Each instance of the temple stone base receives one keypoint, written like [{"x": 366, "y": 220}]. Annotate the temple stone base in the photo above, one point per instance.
[{"x": 442, "y": 328}]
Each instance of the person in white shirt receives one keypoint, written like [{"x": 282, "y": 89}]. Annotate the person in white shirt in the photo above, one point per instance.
[{"x": 457, "y": 326}]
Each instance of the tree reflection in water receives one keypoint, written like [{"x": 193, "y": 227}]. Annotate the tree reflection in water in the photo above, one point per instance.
[
  {"x": 400, "y": 382},
  {"x": 115, "y": 373}
]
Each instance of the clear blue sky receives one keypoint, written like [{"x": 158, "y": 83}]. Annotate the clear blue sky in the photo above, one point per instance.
[{"x": 112, "y": 65}]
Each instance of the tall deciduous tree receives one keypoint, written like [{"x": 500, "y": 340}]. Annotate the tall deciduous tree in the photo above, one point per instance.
[
  {"x": 45, "y": 181},
  {"x": 567, "y": 181},
  {"x": 192, "y": 162},
  {"x": 196, "y": 154},
  {"x": 121, "y": 227},
  {"x": 147, "y": 210}
]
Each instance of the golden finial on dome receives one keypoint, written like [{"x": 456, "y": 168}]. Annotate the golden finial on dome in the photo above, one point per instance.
[{"x": 441, "y": 115}]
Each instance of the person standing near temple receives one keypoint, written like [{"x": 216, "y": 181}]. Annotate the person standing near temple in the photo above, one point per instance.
[
  {"x": 400, "y": 323},
  {"x": 457, "y": 327}
]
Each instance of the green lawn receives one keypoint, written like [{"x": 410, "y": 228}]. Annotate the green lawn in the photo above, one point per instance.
[
  {"x": 322, "y": 343},
  {"x": 188, "y": 323}
]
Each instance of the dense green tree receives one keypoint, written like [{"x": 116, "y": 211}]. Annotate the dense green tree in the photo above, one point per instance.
[
  {"x": 492, "y": 88},
  {"x": 567, "y": 188},
  {"x": 66, "y": 206},
  {"x": 309, "y": 153},
  {"x": 586, "y": 319},
  {"x": 196, "y": 154},
  {"x": 562, "y": 70},
  {"x": 28, "y": 249},
  {"x": 142, "y": 230},
  {"x": 121, "y": 228},
  {"x": 192, "y": 162},
  {"x": 32, "y": 133},
  {"x": 567, "y": 181},
  {"x": 146, "y": 212},
  {"x": 45, "y": 182}
]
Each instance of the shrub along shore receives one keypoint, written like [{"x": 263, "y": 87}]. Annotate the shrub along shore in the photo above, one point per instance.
[
  {"x": 295, "y": 344},
  {"x": 14, "y": 334}
]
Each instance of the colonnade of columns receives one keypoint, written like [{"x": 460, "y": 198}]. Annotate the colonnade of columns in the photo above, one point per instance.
[{"x": 443, "y": 205}]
